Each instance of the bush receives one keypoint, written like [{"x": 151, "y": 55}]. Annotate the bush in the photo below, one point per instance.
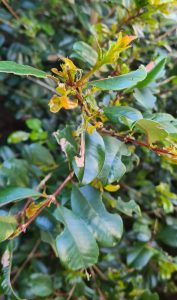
[{"x": 88, "y": 187}]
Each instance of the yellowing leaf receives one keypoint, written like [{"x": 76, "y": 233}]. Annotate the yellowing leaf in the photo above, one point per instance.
[
  {"x": 116, "y": 48},
  {"x": 126, "y": 40},
  {"x": 70, "y": 64},
  {"x": 153, "y": 130},
  {"x": 170, "y": 160},
  {"x": 55, "y": 71},
  {"x": 90, "y": 129},
  {"x": 112, "y": 188},
  {"x": 61, "y": 89},
  {"x": 55, "y": 104},
  {"x": 67, "y": 103},
  {"x": 33, "y": 208},
  {"x": 69, "y": 70}
]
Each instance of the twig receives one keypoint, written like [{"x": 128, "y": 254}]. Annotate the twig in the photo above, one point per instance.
[
  {"x": 169, "y": 31},
  {"x": 102, "y": 296},
  {"x": 29, "y": 257},
  {"x": 10, "y": 9},
  {"x": 41, "y": 83},
  {"x": 43, "y": 182},
  {"x": 127, "y": 139},
  {"x": 100, "y": 273},
  {"x": 71, "y": 292},
  {"x": 128, "y": 19},
  {"x": 50, "y": 199},
  {"x": 58, "y": 190},
  {"x": 166, "y": 80},
  {"x": 39, "y": 186}
]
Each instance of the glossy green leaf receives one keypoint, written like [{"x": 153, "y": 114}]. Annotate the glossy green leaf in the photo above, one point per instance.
[
  {"x": 41, "y": 284},
  {"x": 93, "y": 159},
  {"x": 128, "y": 208},
  {"x": 145, "y": 98},
  {"x": 47, "y": 237},
  {"x": 14, "y": 194},
  {"x": 139, "y": 256},
  {"x": 120, "y": 82},
  {"x": 124, "y": 114},
  {"x": 16, "y": 172},
  {"x": 7, "y": 227},
  {"x": 18, "y": 69},
  {"x": 6, "y": 261},
  {"x": 113, "y": 168},
  {"x": 67, "y": 142},
  {"x": 84, "y": 52},
  {"x": 38, "y": 155},
  {"x": 76, "y": 246},
  {"x": 168, "y": 235},
  {"x": 107, "y": 228},
  {"x": 152, "y": 75},
  {"x": 153, "y": 130}
]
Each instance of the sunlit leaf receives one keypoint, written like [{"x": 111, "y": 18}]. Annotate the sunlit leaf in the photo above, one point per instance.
[
  {"x": 18, "y": 69},
  {"x": 14, "y": 194},
  {"x": 153, "y": 130},
  {"x": 120, "y": 82}
]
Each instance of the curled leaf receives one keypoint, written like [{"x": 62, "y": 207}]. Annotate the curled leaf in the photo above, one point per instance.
[
  {"x": 67, "y": 103},
  {"x": 91, "y": 128},
  {"x": 112, "y": 187},
  {"x": 56, "y": 103},
  {"x": 33, "y": 208}
]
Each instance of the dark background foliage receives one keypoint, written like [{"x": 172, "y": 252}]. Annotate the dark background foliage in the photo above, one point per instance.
[{"x": 145, "y": 261}]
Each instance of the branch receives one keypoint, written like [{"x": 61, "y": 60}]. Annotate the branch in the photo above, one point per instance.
[
  {"x": 10, "y": 9},
  {"x": 129, "y": 18},
  {"x": 50, "y": 199},
  {"x": 123, "y": 138},
  {"x": 127, "y": 139},
  {"x": 29, "y": 257},
  {"x": 169, "y": 31}
]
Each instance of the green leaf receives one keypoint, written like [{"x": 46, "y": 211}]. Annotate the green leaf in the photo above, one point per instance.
[
  {"x": 15, "y": 172},
  {"x": 14, "y": 194},
  {"x": 41, "y": 284},
  {"x": 153, "y": 130},
  {"x": 168, "y": 235},
  {"x": 145, "y": 98},
  {"x": 87, "y": 203},
  {"x": 152, "y": 75},
  {"x": 18, "y": 69},
  {"x": 76, "y": 246},
  {"x": 147, "y": 295},
  {"x": 34, "y": 124},
  {"x": 124, "y": 114},
  {"x": 113, "y": 168},
  {"x": 139, "y": 256},
  {"x": 67, "y": 142},
  {"x": 85, "y": 53},
  {"x": 8, "y": 226},
  {"x": 47, "y": 237},
  {"x": 128, "y": 208},
  {"x": 120, "y": 82},
  {"x": 38, "y": 155},
  {"x": 93, "y": 159},
  {"x": 17, "y": 137},
  {"x": 6, "y": 261}
]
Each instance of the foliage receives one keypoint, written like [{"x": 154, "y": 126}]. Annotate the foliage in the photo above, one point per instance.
[{"x": 88, "y": 182}]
